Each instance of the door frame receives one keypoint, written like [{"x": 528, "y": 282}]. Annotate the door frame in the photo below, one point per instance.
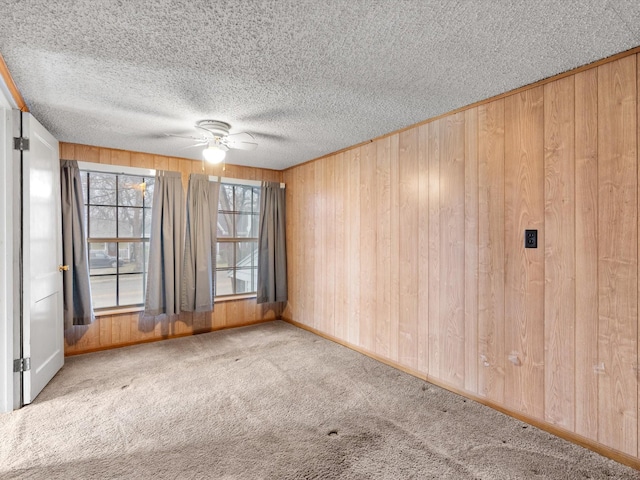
[{"x": 9, "y": 267}]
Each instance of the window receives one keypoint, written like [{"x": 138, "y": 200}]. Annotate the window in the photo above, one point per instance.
[
  {"x": 237, "y": 248},
  {"x": 118, "y": 210}
]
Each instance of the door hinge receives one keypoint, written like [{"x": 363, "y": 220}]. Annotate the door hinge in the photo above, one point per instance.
[
  {"x": 21, "y": 364},
  {"x": 21, "y": 143}
]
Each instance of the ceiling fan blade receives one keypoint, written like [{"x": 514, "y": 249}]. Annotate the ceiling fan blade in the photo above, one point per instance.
[
  {"x": 241, "y": 145},
  {"x": 195, "y": 145},
  {"x": 241, "y": 137},
  {"x": 202, "y": 139},
  {"x": 240, "y": 141}
]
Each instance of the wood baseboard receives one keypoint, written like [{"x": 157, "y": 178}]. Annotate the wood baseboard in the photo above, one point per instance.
[
  {"x": 568, "y": 435},
  {"x": 165, "y": 337}
]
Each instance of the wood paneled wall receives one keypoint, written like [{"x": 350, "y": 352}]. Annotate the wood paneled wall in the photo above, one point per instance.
[
  {"x": 112, "y": 331},
  {"x": 411, "y": 248}
]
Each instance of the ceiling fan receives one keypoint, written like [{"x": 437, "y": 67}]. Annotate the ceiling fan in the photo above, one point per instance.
[{"x": 218, "y": 140}]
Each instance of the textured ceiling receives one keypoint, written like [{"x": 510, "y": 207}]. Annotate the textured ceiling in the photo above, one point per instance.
[{"x": 307, "y": 78}]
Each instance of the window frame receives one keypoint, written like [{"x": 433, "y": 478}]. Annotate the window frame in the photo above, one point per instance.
[
  {"x": 145, "y": 174},
  {"x": 233, "y": 213}
]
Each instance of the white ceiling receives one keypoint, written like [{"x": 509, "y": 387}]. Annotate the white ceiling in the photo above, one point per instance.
[{"x": 306, "y": 77}]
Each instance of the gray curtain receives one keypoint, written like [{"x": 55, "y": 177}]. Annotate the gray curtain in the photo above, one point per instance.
[
  {"x": 272, "y": 253},
  {"x": 78, "y": 309},
  {"x": 165, "y": 246},
  {"x": 199, "y": 268}
]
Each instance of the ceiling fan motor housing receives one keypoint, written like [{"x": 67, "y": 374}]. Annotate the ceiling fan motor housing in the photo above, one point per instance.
[{"x": 215, "y": 127}]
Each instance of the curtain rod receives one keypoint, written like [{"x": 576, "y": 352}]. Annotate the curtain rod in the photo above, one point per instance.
[
  {"x": 239, "y": 181},
  {"x": 150, "y": 172},
  {"x": 117, "y": 169}
]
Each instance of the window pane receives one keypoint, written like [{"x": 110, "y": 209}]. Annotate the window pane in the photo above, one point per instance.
[
  {"x": 226, "y": 197},
  {"x": 254, "y": 283},
  {"x": 246, "y": 254},
  {"x": 225, "y": 224},
  {"x": 244, "y": 225},
  {"x": 148, "y": 191},
  {"x": 131, "y": 257},
  {"x": 129, "y": 191},
  {"x": 102, "y": 189},
  {"x": 256, "y": 200},
  {"x": 103, "y": 291},
  {"x": 244, "y": 280},
  {"x": 244, "y": 199},
  {"x": 147, "y": 222},
  {"x": 130, "y": 222},
  {"x": 83, "y": 179},
  {"x": 255, "y": 219},
  {"x": 131, "y": 289},
  {"x": 102, "y": 258},
  {"x": 102, "y": 222},
  {"x": 99, "y": 246},
  {"x": 224, "y": 282},
  {"x": 145, "y": 249},
  {"x": 224, "y": 258}
]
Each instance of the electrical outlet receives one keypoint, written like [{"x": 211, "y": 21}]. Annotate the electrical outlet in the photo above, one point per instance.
[{"x": 531, "y": 239}]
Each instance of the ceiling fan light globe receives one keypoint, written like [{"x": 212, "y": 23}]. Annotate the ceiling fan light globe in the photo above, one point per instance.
[{"x": 214, "y": 154}]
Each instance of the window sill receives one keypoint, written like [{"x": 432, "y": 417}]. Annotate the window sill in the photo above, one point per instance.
[
  {"x": 120, "y": 311},
  {"x": 229, "y": 298}
]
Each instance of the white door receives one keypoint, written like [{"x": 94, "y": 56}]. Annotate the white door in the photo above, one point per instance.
[{"x": 42, "y": 327}]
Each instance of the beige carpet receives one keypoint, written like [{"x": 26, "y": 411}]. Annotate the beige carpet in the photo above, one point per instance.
[{"x": 269, "y": 401}]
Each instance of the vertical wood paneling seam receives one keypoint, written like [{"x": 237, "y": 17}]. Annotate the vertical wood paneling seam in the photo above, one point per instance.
[
  {"x": 504, "y": 233},
  {"x": 439, "y": 322},
  {"x": 597, "y": 263},
  {"x": 464, "y": 256},
  {"x": 394, "y": 271},
  {"x": 473, "y": 267},
  {"x": 637, "y": 365},
  {"x": 597, "y": 229},
  {"x": 464, "y": 236},
  {"x": 637, "y": 263},
  {"x": 478, "y": 249},
  {"x": 433, "y": 206},
  {"x": 476, "y": 246},
  {"x": 430, "y": 257},
  {"x": 544, "y": 263},
  {"x": 575, "y": 259},
  {"x": 426, "y": 313},
  {"x": 334, "y": 187},
  {"x": 416, "y": 166},
  {"x": 504, "y": 248}
]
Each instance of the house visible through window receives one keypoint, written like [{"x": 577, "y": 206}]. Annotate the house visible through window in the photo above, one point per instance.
[
  {"x": 237, "y": 249},
  {"x": 118, "y": 209}
]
